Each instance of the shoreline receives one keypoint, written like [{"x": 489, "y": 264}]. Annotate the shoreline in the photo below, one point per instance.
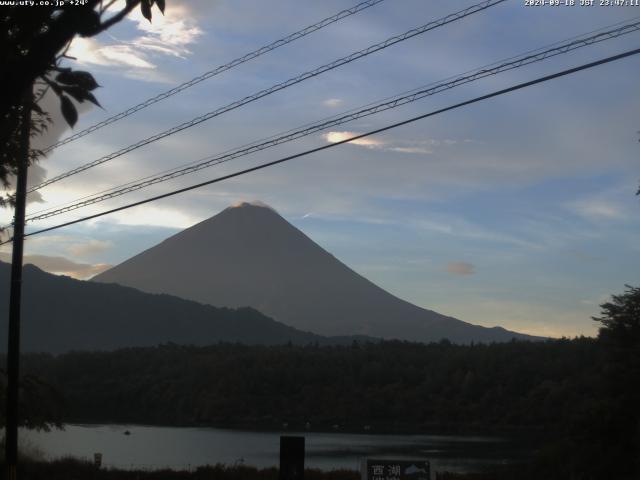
[
  {"x": 473, "y": 454},
  {"x": 63, "y": 469},
  {"x": 493, "y": 433}
]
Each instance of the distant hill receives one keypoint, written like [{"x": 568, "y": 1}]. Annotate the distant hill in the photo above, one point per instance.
[
  {"x": 249, "y": 255},
  {"x": 60, "y": 314}
]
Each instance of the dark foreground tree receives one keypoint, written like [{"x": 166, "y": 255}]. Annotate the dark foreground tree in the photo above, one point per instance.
[
  {"x": 41, "y": 403},
  {"x": 33, "y": 41},
  {"x": 620, "y": 338},
  {"x": 601, "y": 433},
  {"x": 621, "y": 320}
]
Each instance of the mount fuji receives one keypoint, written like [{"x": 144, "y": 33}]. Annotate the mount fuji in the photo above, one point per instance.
[{"x": 250, "y": 256}]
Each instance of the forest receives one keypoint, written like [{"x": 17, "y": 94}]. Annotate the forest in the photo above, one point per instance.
[
  {"x": 388, "y": 386},
  {"x": 579, "y": 396}
]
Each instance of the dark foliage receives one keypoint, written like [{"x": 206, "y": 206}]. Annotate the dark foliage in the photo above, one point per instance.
[
  {"x": 555, "y": 389},
  {"x": 389, "y": 386},
  {"x": 620, "y": 339},
  {"x": 33, "y": 42},
  {"x": 73, "y": 469},
  {"x": 558, "y": 390},
  {"x": 41, "y": 404},
  {"x": 581, "y": 394},
  {"x": 620, "y": 319},
  {"x": 602, "y": 438}
]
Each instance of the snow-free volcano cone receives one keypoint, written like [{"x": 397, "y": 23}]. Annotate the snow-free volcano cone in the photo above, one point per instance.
[{"x": 248, "y": 255}]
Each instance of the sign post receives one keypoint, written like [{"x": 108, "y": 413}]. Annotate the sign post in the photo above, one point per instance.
[
  {"x": 291, "y": 458},
  {"x": 385, "y": 469}
]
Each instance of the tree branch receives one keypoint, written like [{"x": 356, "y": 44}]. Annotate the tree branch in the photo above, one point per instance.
[
  {"x": 106, "y": 7},
  {"x": 117, "y": 17}
]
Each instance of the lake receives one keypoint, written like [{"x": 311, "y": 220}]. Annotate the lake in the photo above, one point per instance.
[{"x": 149, "y": 447}]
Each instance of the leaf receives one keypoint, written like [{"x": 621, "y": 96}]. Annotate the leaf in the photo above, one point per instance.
[
  {"x": 92, "y": 99},
  {"x": 160, "y": 4},
  {"x": 56, "y": 88},
  {"x": 66, "y": 77},
  {"x": 78, "y": 93},
  {"x": 145, "y": 8},
  {"x": 79, "y": 78},
  {"x": 89, "y": 24},
  {"x": 36, "y": 108},
  {"x": 69, "y": 111}
]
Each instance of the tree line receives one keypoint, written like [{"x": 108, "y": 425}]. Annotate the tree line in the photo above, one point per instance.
[
  {"x": 386, "y": 386},
  {"x": 582, "y": 393}
]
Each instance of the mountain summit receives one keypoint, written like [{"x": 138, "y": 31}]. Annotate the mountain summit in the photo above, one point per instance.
[{"x": 248, "y": 255}]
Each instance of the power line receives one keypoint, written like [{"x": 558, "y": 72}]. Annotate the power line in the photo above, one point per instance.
[
  {"x": 356, "y": 137},
  {"x": 602, "y": 31},
  {"x": 216, "y": 71},
  {"x": 390, "y": 103},
  {"x": 280, "y": 86}
]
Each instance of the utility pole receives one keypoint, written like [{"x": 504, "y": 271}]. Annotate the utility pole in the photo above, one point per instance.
[{"x": 15, "y": 296}]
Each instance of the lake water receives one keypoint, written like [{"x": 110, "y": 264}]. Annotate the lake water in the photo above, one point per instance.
[{"x": 186, "y": 448}]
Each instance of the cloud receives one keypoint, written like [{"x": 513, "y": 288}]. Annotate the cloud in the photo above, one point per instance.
[
  {"x": 334, "y": 137},
  {"x": 167, "y": 35},
  {"x": 255, "y": 203},
  {"x": 35, "y": 176},
  {"x": 461, "y": 268},
  {"x": 598, "y": 209},
  {"x": 50, "y": 103},
  {"x": 60, "y": 253},
  {"x": 153, "y": 215},
  {"x": 406, "y": 147},
  {"x": 175, "y": 27},
  {"x": 89, "y": 50},
  {"x": 332, "y": 102},
  {"x": 91, "y": 247},
  {"x": 415, "y": 150},
  {"x": 61, "y": 265}
]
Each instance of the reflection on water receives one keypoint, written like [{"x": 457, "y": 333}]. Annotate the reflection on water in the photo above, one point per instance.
[{"x": 186, "y": 448}]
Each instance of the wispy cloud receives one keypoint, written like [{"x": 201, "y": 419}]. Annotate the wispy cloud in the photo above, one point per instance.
[
  {"x": 168, "y": 35},
  {"x": 50, "y": 103},
  {"x": 61, "y": 265},
  {"x": 369, "y": 142},
  {"x": 91, "y": 247},
  {"x": 90, "y": 50},
  {"x": 332, "y": 102},
  {"x": 36, "y": 175},
  {"x": 415, "y": 150},
  {"x": 52, "y": 252},
  {"x": 461, "y": 268},
  {"x": 598, "y": 209},
  {"x": 422, "y": 147}
]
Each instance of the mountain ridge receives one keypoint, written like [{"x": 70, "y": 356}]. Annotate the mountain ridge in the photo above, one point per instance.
[
  {"x": 249, "y": 255},
  {"x": 60, "y": 314}
]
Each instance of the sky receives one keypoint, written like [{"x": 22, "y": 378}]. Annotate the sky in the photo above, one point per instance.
[{"x": 519, "y": 211}]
